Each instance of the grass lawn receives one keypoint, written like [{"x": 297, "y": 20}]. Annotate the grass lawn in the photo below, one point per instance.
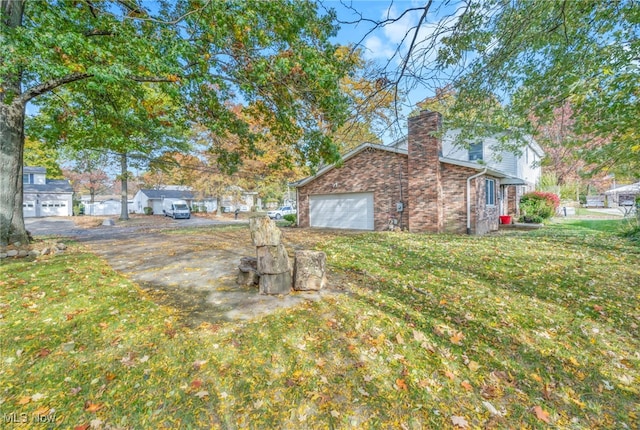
[{"x": 517, "y": 330}]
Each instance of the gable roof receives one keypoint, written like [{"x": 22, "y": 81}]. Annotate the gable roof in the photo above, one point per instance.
[
  {"x": 52, "y": 186},
  {"x": 633, "y": 188},
  {"x": 168, "y": 194},
  {"x": 506, "y": 179},
  {"x": 32, "y": 169}
]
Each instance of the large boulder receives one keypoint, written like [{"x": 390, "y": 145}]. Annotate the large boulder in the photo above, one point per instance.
[
  {"x": 264, "y": 231},
  {"x": 275, "y": 284},
  {"x": 272, "y": 259},
  {"x": 248, "y": 271},
  {"x": 309, "y": 270}
]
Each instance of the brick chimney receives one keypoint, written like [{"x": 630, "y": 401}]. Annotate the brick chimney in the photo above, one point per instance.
[{"x": 426, "y": 210}]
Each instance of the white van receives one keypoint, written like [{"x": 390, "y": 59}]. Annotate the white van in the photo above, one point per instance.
[{"x": 176, "y": 208}]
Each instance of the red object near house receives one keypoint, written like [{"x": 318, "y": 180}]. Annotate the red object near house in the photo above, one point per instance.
[{"x": 505, "y": 219}]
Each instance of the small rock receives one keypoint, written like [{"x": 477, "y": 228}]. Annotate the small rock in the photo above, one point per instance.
[
  {"x": 108, "y": 222},
  {"x": 12, "y": 253},
  {"x": 61, "y": 246},
  {"x": 45, "y": 251},
  {"x": 34, "y": 253},
  {"x": 23, "y": 253},
  {"x": 3, "y": 255}
]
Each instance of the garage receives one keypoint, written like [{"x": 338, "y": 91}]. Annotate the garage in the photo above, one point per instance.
[
  {"x": 29, "y": 209},
  {"x": 349, "y": 210},
  {"x": 54, "y": 208}
]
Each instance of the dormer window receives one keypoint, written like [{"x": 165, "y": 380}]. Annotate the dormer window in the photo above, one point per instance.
[
  {"x": 27, "y": 178},
  {"x": 475, "y": 152}
]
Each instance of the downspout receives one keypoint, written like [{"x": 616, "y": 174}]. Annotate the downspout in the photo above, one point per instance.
[
  {"x": 477, "y": 175},
  {"x": 297, "y": 207}
]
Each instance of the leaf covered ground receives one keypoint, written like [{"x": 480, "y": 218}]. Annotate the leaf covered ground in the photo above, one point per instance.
[{"x": 526, "y": 329}]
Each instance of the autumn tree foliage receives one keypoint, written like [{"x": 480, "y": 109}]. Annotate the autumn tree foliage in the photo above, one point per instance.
[{"x": 102, "y": 58}]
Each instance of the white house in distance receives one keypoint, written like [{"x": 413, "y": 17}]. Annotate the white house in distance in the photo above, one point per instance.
[
  {"x": 106, "y": 205},
  {"x": 153, "y": 198},
  {"x": 45, "y": 197}
]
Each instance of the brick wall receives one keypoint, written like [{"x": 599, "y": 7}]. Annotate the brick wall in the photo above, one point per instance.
[
  {"x": 426, "y": 205},
  {"x": 381, "y": 172}
]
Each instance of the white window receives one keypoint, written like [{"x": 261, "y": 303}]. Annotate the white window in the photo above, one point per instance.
[
  {"x": 490, "y": 191},
  {"x": 476, "y": 152}
]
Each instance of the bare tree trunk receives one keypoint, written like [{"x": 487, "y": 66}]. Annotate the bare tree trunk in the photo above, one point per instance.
[
  {"x": 124, "y": 198},
  {"x": 12, "y": 113}
]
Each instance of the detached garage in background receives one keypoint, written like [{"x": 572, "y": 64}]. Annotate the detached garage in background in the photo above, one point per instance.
[{"x": 45, "y": 197}]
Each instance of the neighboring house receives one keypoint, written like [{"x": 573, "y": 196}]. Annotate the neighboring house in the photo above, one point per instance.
[
  {"x": 45, "y": 197},
  {"x": 106, "y": 205},
  {"x": 238, "y": 198},
  {"x": 419, "y": 186},
  {"x": 154, "y": 198},
  {"x": 623, "y": 196}
]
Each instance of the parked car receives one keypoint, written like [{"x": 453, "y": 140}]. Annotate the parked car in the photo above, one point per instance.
[
  {"x": 281, "y": 211},
  {"x": 176, "y": 208}
]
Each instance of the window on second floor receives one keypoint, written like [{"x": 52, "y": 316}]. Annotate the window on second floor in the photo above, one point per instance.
[
  {"x": 27, "y": 178},
  {"x": 476, "y": 152}
]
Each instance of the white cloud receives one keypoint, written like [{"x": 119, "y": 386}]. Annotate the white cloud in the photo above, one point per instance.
[{"x": 375, "y": 48}]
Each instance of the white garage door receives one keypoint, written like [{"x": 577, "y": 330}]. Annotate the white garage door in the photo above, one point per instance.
[
  {"x": 353, "y": 211},
  {"x": 54, "y": 208},
  {"x": 29, "y": 209}
]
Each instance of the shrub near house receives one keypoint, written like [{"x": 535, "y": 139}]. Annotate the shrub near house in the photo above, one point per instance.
[{"x": 538, "y": 206}]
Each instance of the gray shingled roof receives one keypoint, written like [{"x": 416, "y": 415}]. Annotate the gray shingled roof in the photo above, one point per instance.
[
  {"x": 31, "y": 169},
  {"x": 168, "y": 194},
  {"x": 52, "y": 186}
]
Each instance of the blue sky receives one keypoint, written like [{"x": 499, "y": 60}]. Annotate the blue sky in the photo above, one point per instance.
[{"x": 387, "y": 45}]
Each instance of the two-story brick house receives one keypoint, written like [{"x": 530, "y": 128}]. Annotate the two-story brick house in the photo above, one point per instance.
[{"x": 423, "y": 183}]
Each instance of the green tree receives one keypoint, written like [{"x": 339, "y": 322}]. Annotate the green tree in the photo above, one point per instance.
[
  {"x": 38, "y": 154},
  {"x": 537, "y": 56},
  {"x": 202, "y": 56}
]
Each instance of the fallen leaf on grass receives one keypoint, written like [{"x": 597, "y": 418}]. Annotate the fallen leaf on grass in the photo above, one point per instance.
[
  {"x": 492, "y": 409},
  {"x": 473, "y": 366},
  {"x": 459, "y": 422},
  {"x": 449, "y": 375},
  {"x": 81, "y": 427},
  {"x": 401, "y": 384},
  {"x": 419, "y": 336},
  {"x": 466, "y": 385},
  {"x": 37, "y": 396},
  {"x": 92, "y": 407},
  {"x": 24, "y": 400},
  {"x": 199, "y": 363},
  {"x": 201, "y": 394},
  {"x": 43, "y": 352},
  {"x": 541, "y": 414},
  {"x": 457, "y": 338}
]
